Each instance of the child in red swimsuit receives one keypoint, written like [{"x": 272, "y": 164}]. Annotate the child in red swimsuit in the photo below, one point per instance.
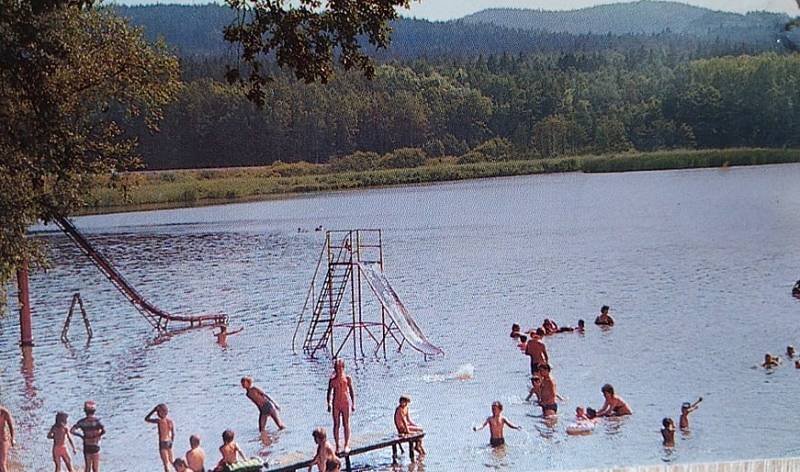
[
  {"x": 341, "y": 402},
  {"x": 59, "y": 433}
]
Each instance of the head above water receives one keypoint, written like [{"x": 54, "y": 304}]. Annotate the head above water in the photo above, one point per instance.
[
  {"x": 162, "y": 410},
  {"x": 540, "y": 332},
  {"x": 515, "y": 328},
  {"x": 405, "y": 399},
  {"x": 581, "y": 323},
  {"x": 604, "y": 309},
  {"x": 523, "y": 338},
  {"x": 668, "y": 423},
  {"x": 608, "y": 389},
  {"x": 685, "y": 406},
  {"x": 579, "y": 411},
  {"x": 591, "y": 413}
]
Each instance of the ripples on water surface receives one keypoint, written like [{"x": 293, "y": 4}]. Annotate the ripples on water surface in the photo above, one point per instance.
[{"x": 697, "y": 266}]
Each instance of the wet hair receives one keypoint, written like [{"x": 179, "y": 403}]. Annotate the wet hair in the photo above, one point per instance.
[
  {"x": 515, "y": 327},
  {"x": 581, "y": 323},
  {"x": 608, "y": 388},
  {"x": 604, "y": 309},
  {"x": 667, "y": 422},
  {"x": 61, "y": 418},
  {"x": 540, "y": 332},
  {"x": 498, "y": 405},
  {"x": 227, "y": 436},
  {"x": 319, "y": 434},
  {"x": 523, "y": 338},
  {"x": 194, "y": 440},
  {"x": 405, "y": 398},
  {"x": 247, "y": 380},
  {"x": 178, "y": 462},
  {"x": 591, "y": 413}
]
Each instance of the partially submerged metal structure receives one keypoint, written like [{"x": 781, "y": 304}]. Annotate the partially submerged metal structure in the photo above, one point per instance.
[{"x": 334, "y": 311}]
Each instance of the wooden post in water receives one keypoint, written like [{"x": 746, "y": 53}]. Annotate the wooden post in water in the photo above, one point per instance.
[{"x": 23, "y": 294}]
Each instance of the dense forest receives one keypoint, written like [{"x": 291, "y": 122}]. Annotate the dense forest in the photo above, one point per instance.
[{"x": 470, "y": 91}]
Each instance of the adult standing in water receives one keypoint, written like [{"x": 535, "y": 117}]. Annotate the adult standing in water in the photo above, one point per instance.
[
  {"x": 6, "y": 441},
  {"x": 614, "y": 405},
  {"x": 537, "y": 352},
  {"x": 341, "y": 402}
]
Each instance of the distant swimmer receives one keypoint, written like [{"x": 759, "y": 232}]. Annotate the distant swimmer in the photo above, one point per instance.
[
  {"x": 166, "y": 433},
  {"x": 6, "y": 441},
  {"x": 222, "y": 336},
  {"x": 548, "y": 396},
  {"x": 796, "y": 289},
  {"x": 668, "y": 432},
  {"x": 341, "y": 399},
  {"x": 549, "y": 326},
  {"x": 537, "y": 351},
  {"x": 497, "y": 422},
  {"x": 523, "y": 342},
  {"x": 583, "y": 424},
  {"x": 515, "y": 331},
  {"x": 267, "y": 407},
  {"x": 580, "y": 414},
  {"x": 790, "y": 352},
  {"x": 687, "y": 408},
  {"x": 614, "y": 405},
  {"x": 405, "y": 426},
  {"x": 604, "y": 319},
  {"x": 771, "y": 361}
]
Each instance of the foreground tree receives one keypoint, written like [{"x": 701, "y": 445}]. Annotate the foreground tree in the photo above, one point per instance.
[
  {"x": 71, "y": 75},
  {"x": 307, "y": 36}
]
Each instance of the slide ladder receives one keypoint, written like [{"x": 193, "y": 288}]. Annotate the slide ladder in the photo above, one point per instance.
[
  {"x": 154, "y": 315},
  {"x": 330, "y": 298}
]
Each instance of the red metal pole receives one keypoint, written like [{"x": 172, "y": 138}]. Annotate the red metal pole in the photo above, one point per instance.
[{"x": 23, "y": 293}]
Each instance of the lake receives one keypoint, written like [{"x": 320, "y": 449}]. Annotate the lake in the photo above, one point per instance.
[{"x": 697, "y": 267}]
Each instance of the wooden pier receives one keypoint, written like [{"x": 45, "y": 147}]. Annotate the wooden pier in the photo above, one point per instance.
[{"x": 394, "y": 442}]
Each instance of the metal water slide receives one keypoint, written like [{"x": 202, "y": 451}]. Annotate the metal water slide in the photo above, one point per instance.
[
  {"x": 399, "y": 314},
  {"x": 157, "y": 317}
]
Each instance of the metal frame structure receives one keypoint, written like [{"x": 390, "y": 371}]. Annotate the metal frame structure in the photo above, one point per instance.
[{"x": 342, "y": 253}]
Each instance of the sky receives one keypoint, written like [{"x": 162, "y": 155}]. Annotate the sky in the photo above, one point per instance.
[{"x": 451, "y": 9}]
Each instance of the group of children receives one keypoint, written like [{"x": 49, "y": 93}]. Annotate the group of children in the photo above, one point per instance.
[
  {"x": 668, "y": 430},
  {"x": 770, "y": 361}
]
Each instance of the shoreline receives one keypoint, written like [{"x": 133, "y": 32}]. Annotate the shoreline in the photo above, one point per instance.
[{"x": 190, "y": 188}]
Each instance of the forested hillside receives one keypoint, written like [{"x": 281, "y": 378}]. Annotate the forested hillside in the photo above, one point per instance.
[{"x": 480, "y": 92}]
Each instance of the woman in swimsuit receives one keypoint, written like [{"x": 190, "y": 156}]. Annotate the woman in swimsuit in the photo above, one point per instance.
[
  {"x": 341, "y": 401},
  {"x": 59, "y": 433},
  {"x": 325, "y": 460}
]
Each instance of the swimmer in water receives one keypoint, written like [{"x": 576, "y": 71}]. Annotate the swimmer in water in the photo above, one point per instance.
[
  {"x": 770, "y": 361},
  {"x": 222, "y": 336},
  {"x": 515, "y": 331},
  {"x": 496, "y": 424},
  {"x": 614, "y": 405},
  {"x": 604, "y": 319},
  {"x": 687, "y": 408},
  {"x": 523, "y": 342},
  {"x": 790, "y": 352},
  {"x": 549, "y": 326},
  {"x": 668, "y": 432}
]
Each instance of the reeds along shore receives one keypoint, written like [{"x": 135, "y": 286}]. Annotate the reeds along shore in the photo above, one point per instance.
[{"x": 177, "y": 188}]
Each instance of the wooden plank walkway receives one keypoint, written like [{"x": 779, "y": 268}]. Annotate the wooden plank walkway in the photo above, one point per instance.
[{"x": 393, "y": 442}]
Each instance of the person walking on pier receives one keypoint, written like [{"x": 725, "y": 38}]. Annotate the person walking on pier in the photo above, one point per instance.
[
  {"x": 6, "y": 441},
  {"x": 267, "y": 407},
  {"x": 341, "y": 401},
  {"x": 91, "y": 431}
]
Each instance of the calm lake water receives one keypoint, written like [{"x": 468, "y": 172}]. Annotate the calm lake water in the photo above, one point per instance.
[{"x": 696, "y": 265}]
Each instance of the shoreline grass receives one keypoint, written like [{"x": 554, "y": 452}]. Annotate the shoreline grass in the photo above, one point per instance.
[{"x": 199, "y": 187}]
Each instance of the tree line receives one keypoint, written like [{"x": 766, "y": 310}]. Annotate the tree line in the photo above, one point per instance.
[{"x": 487, "y": 108}]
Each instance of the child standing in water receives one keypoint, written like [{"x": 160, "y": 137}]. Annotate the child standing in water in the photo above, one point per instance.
[
  {"x": 668, "y": 432},
  {"x": 687, "y": 408},
  {"x": 548, "y": 396},
  {"x": 496, "y": 424},
  {"x": 404, "y": 425},
  {"x": 267, "y": 407},
  {"x": 59, "y": 433},
  {"x": 92, "y": 431},
  {"x": 325, "y": 459},
  {"x": 166, "y": 433},
  {"x": 341, "y": 401}
]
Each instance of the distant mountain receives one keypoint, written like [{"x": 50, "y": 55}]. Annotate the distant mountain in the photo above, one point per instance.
[
  {"x": 642, "y": 17},
  {"x": 196, "y": 30}
]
